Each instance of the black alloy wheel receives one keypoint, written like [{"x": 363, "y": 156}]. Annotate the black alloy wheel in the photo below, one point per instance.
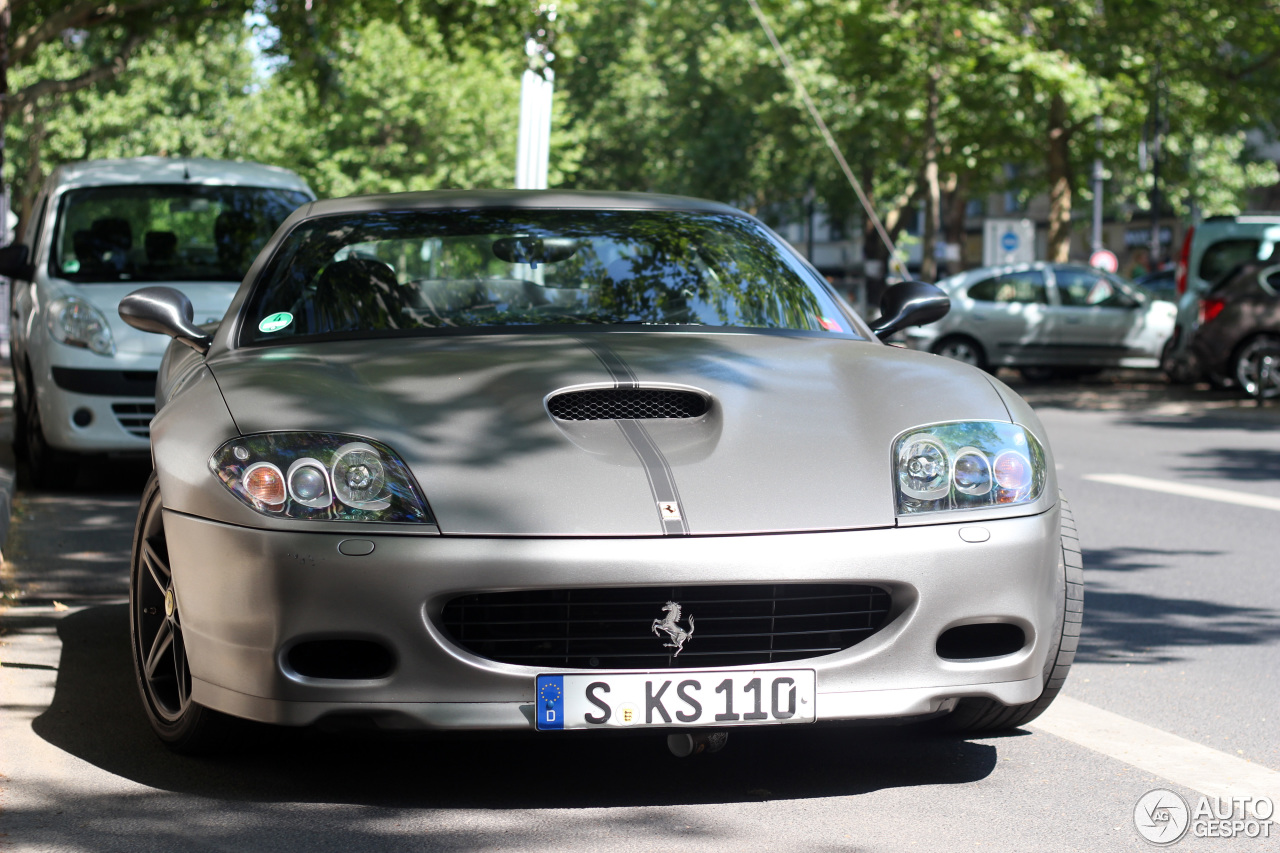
[{"x": 159, "y": 652}]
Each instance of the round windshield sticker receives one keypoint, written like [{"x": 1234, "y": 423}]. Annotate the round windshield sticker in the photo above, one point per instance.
[
  {"x": 275, "y": 322},
  {"x": 72, "y": 266}
]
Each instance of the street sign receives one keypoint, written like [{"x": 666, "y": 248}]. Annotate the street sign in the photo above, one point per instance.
[
  {"x": 1008, "y": 241},
  {"x": 1104, "y": 259}
]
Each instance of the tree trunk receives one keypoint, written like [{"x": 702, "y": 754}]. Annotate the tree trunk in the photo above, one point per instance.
[
  {"x": 1060, "y": 182},
  {"x": 932, "y": 190},
  {"x": 6, "y": 18},
  {"x": 953, "y": 222},
  {"x": 35, "y": 136}
]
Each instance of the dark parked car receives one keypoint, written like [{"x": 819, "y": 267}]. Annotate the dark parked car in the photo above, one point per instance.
[{"x": 1240, "y": 325}]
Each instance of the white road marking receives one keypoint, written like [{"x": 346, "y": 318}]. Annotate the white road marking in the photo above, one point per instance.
[
  {"x": 1166, "y": 755},
  {"x": 1188, "y": 490}
]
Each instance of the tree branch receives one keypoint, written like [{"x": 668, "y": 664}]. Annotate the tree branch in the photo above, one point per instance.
[
  {"x": 75, "y": 16},
  {"x": 1257, "y": 65},
  {"x": 98, "y": 73}
]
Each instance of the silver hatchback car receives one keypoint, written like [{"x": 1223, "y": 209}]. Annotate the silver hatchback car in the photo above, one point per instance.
[{"x": 1047, "y": 318}]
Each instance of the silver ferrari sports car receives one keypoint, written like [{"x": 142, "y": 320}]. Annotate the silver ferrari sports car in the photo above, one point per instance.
[{"x": 557, "y": 461}]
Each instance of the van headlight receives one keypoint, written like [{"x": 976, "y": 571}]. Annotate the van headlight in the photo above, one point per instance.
[
  {"x": 75, "y": 322},
  {"x": 966, "y": 465}
]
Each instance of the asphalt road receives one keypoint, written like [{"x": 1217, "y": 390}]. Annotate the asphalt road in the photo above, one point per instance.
[{"x": 1178, "y": 661}]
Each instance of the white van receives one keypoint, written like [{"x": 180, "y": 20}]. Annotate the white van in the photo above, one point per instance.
[{"x": 85, "y": 381}]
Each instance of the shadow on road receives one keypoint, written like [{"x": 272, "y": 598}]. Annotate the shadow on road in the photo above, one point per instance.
[
  {"x": 97, "y": 716},
  {"x": 1243, "y": 464},
  {"x": 1130, "y": 627}
]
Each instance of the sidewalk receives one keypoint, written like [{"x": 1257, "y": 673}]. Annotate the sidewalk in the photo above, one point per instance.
[{"x": 8, "y": 471}]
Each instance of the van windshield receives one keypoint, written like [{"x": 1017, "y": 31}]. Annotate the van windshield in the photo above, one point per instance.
[{"x": 166, "y": 232}]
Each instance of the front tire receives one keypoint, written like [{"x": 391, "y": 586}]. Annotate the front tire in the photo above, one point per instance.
[
  {"x": 975, "y": 715},
  {"x": 963, "y": 349},
  {"x": 1245, "y": 367},
  {"x": 155, "y": 631},
  {"x": 49, "y": 467}
]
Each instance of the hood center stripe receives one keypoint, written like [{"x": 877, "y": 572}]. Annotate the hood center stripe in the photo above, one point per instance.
[
  {"x": 621, "y": 373},
  {"x": 662, "y": 482}
]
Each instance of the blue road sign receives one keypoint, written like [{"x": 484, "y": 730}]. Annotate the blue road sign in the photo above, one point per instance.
[{"x": 1009, "y": 241}]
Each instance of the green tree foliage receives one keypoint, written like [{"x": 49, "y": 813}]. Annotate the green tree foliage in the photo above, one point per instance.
[
  {"x": 931, "y": 101},
  {"x": 397, "y": 111},
  {"x": 182, "y": 97}
]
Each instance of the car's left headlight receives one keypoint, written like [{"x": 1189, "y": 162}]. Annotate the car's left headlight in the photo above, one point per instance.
[
  {"x": 75, "y": 322},
  {"x": 966, "y": 465},
  {"x": 320, "y": 476}
]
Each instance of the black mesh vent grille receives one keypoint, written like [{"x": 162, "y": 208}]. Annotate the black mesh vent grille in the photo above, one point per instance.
[
  {"x": 135, "y": 417},
  {"x": 613, "y": 628},
  {"x": 603, "y": 404}
]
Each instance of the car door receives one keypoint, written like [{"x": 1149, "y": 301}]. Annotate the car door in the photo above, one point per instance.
[
  {"x": 1007, "y": 315},
  {"x": 1092, "y": 318}
]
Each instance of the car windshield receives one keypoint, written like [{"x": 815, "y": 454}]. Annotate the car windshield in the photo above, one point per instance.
[
  {"x": 429, "y": 272},
  {"x": 166, "y": 232}
]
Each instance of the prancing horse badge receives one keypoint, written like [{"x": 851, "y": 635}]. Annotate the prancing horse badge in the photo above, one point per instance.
[{"x": 670, "y": 510}]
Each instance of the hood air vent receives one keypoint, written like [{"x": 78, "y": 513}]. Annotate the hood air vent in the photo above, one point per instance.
[{"x": 606, "y": 404}]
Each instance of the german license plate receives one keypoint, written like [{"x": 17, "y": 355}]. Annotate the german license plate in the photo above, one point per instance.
[{"x": 655, "y": 699}]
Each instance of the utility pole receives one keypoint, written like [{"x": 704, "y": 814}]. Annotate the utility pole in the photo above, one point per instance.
[
  {"x": 1097, "y": 242},
  {"x": 1097, "y": 187},
  {"x": 533, "y": 147}
]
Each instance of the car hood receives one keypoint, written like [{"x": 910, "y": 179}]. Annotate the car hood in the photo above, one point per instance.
[{"x": 798, "y": 435}]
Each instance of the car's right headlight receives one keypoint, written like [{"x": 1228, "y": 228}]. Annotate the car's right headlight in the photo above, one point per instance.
[
  {"x": 319, "y": 476},
  {"x": 75, "y": 322},
  {"x": 967, "y": 465}
]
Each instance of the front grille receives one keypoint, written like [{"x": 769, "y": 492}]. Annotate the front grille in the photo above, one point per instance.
[
  {"x": 107, "y": 383},
  {"x": 135, "y": 417},
  {"x": 613, "y": 628},
  {"x": 603, "y": 404}
]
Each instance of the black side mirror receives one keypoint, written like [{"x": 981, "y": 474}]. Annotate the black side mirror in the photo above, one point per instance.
[
  {"x": 13, "y": 262},
  {"x": 910, "y": 303},
  {"x": 167, "y": 312}
]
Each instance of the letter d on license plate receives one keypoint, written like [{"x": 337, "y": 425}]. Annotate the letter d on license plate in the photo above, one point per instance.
[{"x": 639, "y": 699}]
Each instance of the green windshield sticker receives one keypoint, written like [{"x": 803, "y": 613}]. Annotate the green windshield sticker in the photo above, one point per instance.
[
  {"x": 276, "y": 322},
  {"x": 72, "y": 266}
]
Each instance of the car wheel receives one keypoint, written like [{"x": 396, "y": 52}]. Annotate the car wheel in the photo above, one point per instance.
[
  {"x": 48, "y": 467},
  {"x": 156, "y": 637},
  {"x": 1246, "y": 367},
  {"x": 962, "y": 349},
  {"x": 975, "y": 714},
  {"x": 19, "y": 418}
]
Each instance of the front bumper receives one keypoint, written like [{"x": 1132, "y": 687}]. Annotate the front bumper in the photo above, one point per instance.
[
  {"x": 247, "y": 595},
  {"x": 98, "y": 411}
]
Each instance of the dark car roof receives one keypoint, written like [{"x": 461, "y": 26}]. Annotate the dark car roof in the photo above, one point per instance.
[{"x": 534, "y": 199}]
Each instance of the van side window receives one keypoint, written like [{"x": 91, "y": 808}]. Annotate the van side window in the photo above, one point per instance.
[{"x": 1225, "y": 255}]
